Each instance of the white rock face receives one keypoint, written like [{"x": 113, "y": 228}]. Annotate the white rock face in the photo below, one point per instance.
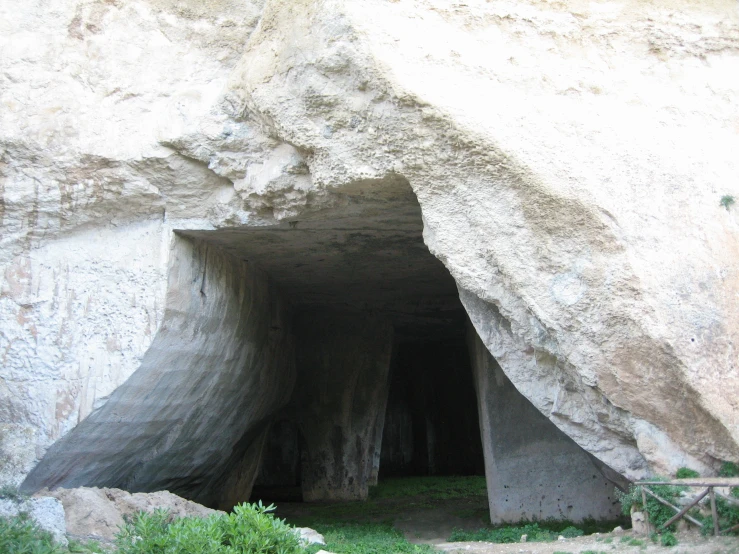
[
  {"x": 569, "y": 160},
  {"x": 97, "y": 514},
  {"x": 47, "y": 512}
]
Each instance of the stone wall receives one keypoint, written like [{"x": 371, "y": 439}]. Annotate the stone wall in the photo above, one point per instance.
[
  {"x": 533, "y": 470},
  {"x": 192, "y": 418},
  {"x": 342, "y": 362}
]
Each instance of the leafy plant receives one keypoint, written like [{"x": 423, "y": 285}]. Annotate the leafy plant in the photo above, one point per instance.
[
  {"x": 249, "y": 529},
  {"x": 21, "y": 535},
  {"x": 729, "y": 469},
  {"x": 658, "y": 513},
  {"x": 686, "y": 473},
  {"x": 727, "y": 201},
  {"x": 668, "y": 539},
  {"x": 571, "y": 532}
]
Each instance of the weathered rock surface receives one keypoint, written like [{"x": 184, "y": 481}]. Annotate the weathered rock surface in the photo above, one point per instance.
[
  {"x": 341, "y": 392},
  {"x": 533, "y": 470},
  {"x": 97, "y": 514},
  {"x": 568, "y": 158},
  {"x": 193, "y": 417},
  {"x": 47, "y": 512}
]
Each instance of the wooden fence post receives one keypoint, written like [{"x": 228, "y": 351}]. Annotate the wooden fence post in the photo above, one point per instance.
[{"x": 714, "y": 513}]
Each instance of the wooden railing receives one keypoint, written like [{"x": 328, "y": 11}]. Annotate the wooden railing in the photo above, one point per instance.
[{"x": 707, "y": 483}]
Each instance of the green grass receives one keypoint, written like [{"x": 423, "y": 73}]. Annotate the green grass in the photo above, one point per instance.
[
  {"x": 358, "y": 527},
  {"x": 392, "y": 497},
  {"x": 431, "y": 488},
  {"x": 88, "y": 547},
  {"x": 366, "y": 538},
  {"x": 535, "y": 532}
]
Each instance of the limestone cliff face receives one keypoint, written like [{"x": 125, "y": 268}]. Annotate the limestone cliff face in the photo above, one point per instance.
[{"x": 569, "y": 160}]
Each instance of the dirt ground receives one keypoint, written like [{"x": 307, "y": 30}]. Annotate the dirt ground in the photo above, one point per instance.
[
  {"x": 431, "y": 521},
  {"x": 433, "y": 526},
  {"x": 598, "y": 544}
]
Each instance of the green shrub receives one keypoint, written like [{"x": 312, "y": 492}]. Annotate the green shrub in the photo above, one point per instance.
[
  {"x": 686, "y": 473},
  {"x": 21, "y": 535},
  {"x": 727, "y": 201},
  {"x": 658, "y": 512},
  {"x": 668, "y": 539},
  {"x": 729, "y": 469},
  {"x": 571, "y": 532},
  {"x": 249, "y": 529}
]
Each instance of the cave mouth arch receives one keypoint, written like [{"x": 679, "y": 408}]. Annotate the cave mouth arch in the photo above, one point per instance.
[{"x": 305, "y": 317}]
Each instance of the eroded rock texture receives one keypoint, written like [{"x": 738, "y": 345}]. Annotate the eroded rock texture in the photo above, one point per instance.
[
  {"x": 193, "y": 417},
  {"x": 533, "y": 470},
  {"x": 569, "y": 160},
  {"x": 343, "y": 362}
]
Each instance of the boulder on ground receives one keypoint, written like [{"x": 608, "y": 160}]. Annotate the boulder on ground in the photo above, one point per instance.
[{"x": 97, "y": 514}]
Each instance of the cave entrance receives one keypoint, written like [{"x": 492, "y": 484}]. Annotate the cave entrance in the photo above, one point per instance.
[
  {"x": 279, "y": 348},
  {"x": 430, "y": 425},
  {"x": 374, "y": 316},
  {"x": 431, "y": 422}
]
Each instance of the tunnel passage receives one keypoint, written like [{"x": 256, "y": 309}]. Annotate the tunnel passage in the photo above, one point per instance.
[
  {"x": 431, "y": 423},
  {"x": 278, "y": 350}
]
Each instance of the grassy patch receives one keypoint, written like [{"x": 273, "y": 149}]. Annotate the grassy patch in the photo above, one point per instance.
[
  {"x": 431, "y": 488},
  {"x": 366, "y": 538},
  {"x": 535, "y": 532},
  {"x": 392, "y": 497}
]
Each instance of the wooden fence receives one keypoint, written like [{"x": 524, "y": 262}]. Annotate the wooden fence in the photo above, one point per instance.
[{"x": 707, "y": 483}]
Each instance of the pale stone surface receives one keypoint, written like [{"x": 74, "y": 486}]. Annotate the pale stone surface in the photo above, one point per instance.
[
  {"x": 97, "y": 513},
  {"x": 533, "y": 471},
  {"x": 192, "y": 419},
  {"x": 47, "y": 512},
  {"x": 569, "y": 160},
  {"x": 310, "y": 536}
]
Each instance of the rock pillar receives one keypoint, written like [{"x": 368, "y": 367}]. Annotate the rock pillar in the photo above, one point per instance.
[
  {"x": 533, "y": 470},
  {"x": 341, "y": 394}
]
